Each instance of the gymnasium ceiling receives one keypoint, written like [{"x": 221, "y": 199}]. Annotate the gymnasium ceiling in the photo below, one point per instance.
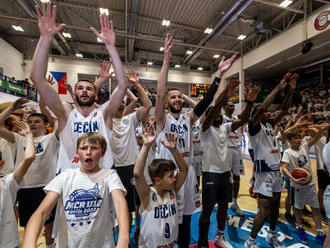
[{"x": 137, "y": 22}]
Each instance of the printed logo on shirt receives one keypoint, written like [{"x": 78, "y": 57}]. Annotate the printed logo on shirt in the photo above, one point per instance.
[
  {"x": 179, "y": 129},
  {"x": 85, "y": 127},
  {"x": 83, "y": 202},
  {"x": 38, "y": 147},
  {"x": 164, "y": 211},
  {"x": 302, "y": 160}
]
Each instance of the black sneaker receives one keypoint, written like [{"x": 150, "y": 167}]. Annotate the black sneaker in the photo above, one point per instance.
[{"x": 290, "y": 219}]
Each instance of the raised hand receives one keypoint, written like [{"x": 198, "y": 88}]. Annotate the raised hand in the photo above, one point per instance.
[
  {"x": 170, "y": 142},
  {"x": 232, "y": 87},
  {"x": 107, "y": 34},
  {"x": 252, "y": 94},
  {"x": 293, "y": 81},
  {"x": 19, "y": 103},
  {"x": 50, "y": 80},
  {"x": 283, "y": 82},
  {"x": 133, "y": 77},
  {"x": 225, "y": 65},
  {"x": 149, "y": 135},
  {"x": 47, "y": 21},
  {"x": 104, "y": 71},
  {"x": 167, "y": 47},
  {"x": 23, "y": 127}
]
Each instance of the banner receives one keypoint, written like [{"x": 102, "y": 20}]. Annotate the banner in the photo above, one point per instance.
[
  {"x": 13, "y": 87},
  {"x": 61, "y": 78}
]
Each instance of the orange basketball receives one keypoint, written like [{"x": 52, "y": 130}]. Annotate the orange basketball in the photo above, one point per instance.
[
  {"x": 301, "y": 173},
  {"x": 252, "y": 194}
]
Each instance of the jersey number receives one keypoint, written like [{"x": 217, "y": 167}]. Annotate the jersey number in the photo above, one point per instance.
[{"x": 167, "y": 231}]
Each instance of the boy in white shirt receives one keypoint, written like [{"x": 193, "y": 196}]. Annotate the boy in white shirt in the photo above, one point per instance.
[
  {"x": 159, "y": 208},
  {"x": 303, "y": 190},
  {"x": 86, "y": 196},
  {"x": 9, "y": 185}
]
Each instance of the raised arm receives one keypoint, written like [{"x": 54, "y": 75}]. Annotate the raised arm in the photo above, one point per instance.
[
  {"x": 4, "y": 132},
  {"x": 108, "y": 36},
  {"x": 189, "y": 101},
  {"x": 47, "y": 28},
  {"x": 200, "y": 108},
  {"x": 318, "y": 130},
  {"x": 134, "y": 100},
  {"x": 170, "y": 144},
  {"x": 104, "y": 74},
  {"x": 162, "y": 85},
  {"x": 143, "y": 111},
  {"x": 29, "y": 154}
]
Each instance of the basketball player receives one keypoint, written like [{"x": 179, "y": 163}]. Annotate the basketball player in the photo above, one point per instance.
[
  {"x": 326, "y": 196},
  {"x": 267, "y": 162},
  {"x": 86, "y": 117},
  {"x": 86, "y": 196},
  {"x": 216, "y": 180},
  {"x": 159, "y": 213},
  {"x": 175, "y": 122}
]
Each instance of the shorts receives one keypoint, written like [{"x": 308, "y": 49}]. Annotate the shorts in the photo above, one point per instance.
[
  {"x": 125, "y": 174},
  {"x": 304, "y": 196},
  {"x": 28, "y": 202},
  {"x": 267, "y": 183},
  {"x": 326, "y": 201},
  {"x": 323, "y": 179},
  {"x": 217, "y": 188},
  {"x": 236, "y": 161}
]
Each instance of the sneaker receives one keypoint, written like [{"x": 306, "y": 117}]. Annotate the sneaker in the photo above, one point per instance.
[
  {"x": 302, "y": 237},
  {"x": 321, "y": 238},
  {"x": 273, "y": 241},
  {"x": 237, "y": 210},
  {"x": 289, "y": 219},
  {"x": 221, "y": 242},
  {"x": 251, "y": 244}
]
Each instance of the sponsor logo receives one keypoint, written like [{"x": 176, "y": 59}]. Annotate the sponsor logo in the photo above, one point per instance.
[{"x": 322, "y": 20}]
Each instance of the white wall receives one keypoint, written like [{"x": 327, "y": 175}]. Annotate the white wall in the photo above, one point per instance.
[{"x": 11, "y": 60}]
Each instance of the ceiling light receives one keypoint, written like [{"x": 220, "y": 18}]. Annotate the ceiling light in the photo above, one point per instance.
[
  {"x": 149, "y": 63},
  {"x": 18, "y": 28},
  {"x": 177, "y": 66},
  {"x": 45, "y": 1},
  {"x": 161, "y": 49},
  {"x": 79, "y": 55},
  {"x": 216, "y": 56},
  {"x": 166, "y": 22},
  {"x": 104, "y": 11},
  {"x": 66, "y": 35},
  {"x": 285, "y": 3},
  {"x": 99, "y": 40},
  {"x": 241, "y": 37},
  {"x": 208, "y": 30},
  {"x": 189, "y": 52},
  {"x": 200, "y": 68}
]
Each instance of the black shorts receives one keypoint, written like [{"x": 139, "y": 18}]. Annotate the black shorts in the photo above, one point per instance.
[
  {"x": 323, "y": 179},
  {"x": 125, "y": 174},
  {"x": 28, "y": 202},
  {"x": 216, "y": 188}
]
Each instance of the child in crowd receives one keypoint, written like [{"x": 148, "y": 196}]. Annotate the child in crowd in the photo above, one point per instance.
[
  {"x": 9, "y": 185},
  {"x": 159, "y": 209},
  {"x": 85, "y": 195}
]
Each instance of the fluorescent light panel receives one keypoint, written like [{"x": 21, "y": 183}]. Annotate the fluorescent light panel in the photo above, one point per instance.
[
  {"x": 45, "y": 1},
  {"x": 275, "y": 64},
  {"x": 66, "y": 35},
  {"x": 200, "y": 68},
  {"x": 208, "y": 30},
  {"x": 149, "y": 63},
  {"x": 241, "y": 37},
  {"x": 161, "y": 49},
  {"x": 166, "y": 22},
  {"x": 104, "y": 11},
  {"x": 177, "y": 66},
  {"x": 216, "y": 56},
  {"x": 189, "y": 52},
  {"x": 285, "y": 3},
  {"x": 79, "y": 55},
  {"x": 18, "y": 28}
]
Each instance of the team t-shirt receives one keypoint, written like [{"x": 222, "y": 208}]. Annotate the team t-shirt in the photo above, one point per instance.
[
  {"x": 326, "y": 155},
  {"x": 85, "y": 201},
  {"x": 234, "y": 138},
  {"x": 319, "y": 145},
  {"x": 9, "y": 236},
  {"x": 7, "y": 150}
]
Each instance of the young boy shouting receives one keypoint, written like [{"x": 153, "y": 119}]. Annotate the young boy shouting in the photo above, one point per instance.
[
  {"x": 85, "y": 197},
  {"x": 159, "y": 209}
]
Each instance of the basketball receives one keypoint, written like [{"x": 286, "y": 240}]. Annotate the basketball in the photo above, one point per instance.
[
  {"x": 252, "y": 194},
  {"x": 301, "y": 173}
]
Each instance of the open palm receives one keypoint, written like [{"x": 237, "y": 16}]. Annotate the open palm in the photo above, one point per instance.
[
  {"x": 170, "y": 142},
  {"x": 107, "y": 34}
]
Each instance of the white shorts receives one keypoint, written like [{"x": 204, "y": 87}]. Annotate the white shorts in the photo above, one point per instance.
[
  {"x": 189, "y": 199},
  {"x": 326, "y": 201},
  {"x": 236, "y": 161},
  {"x": 267, "y": 183},
  {"x": 306, "y": 196}
]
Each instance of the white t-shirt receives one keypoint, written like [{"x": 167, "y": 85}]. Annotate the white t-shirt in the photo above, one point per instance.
[
  {"x": 160, "y": 224},
  {"x": 86, "y": 202},
  {"x": 326, "y": 155},
  {"x": 123, "y": 141},
  {"x": 9, "y": 236},
  {"x": 7, "y": 150},
  {"x": 297, "y": 159},
  {"x": 319, "y": 145},
  {"x": 234, "y": 138},
  {"x": 43, "y": 168},
  {"x": 76, "y": 126},
  {"x": 215, "y": 148}
]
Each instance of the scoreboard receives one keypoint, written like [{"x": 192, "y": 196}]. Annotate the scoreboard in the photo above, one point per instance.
[{"x": 197, "y": 89}]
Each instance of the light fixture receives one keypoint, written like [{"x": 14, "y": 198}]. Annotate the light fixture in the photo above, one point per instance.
[
  {"x": 275, "y": 64},
  {"x": 241, "y": 37},
  {"x": 149, "y": 63},
  {"x": 18, "y": 28},
  {"x": 45, "y": 1},
  {"x": 177, "y": 66},
  {"x": 66, "y": 35},
  {"x": 161, "y": 49},
  {"x": 216, "y": 56},
  {"x": 189, "y": 52},
  {"x": 208, "y": 30},
  {"x": 79, "y": 55},
  {"x": 104, "y": 11},
  {"x": 166, "y": 22},
  {"x": 99, "y": 40},
  {"x": 200, "y": 68},
  {"x": 285, "y": 3}
]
